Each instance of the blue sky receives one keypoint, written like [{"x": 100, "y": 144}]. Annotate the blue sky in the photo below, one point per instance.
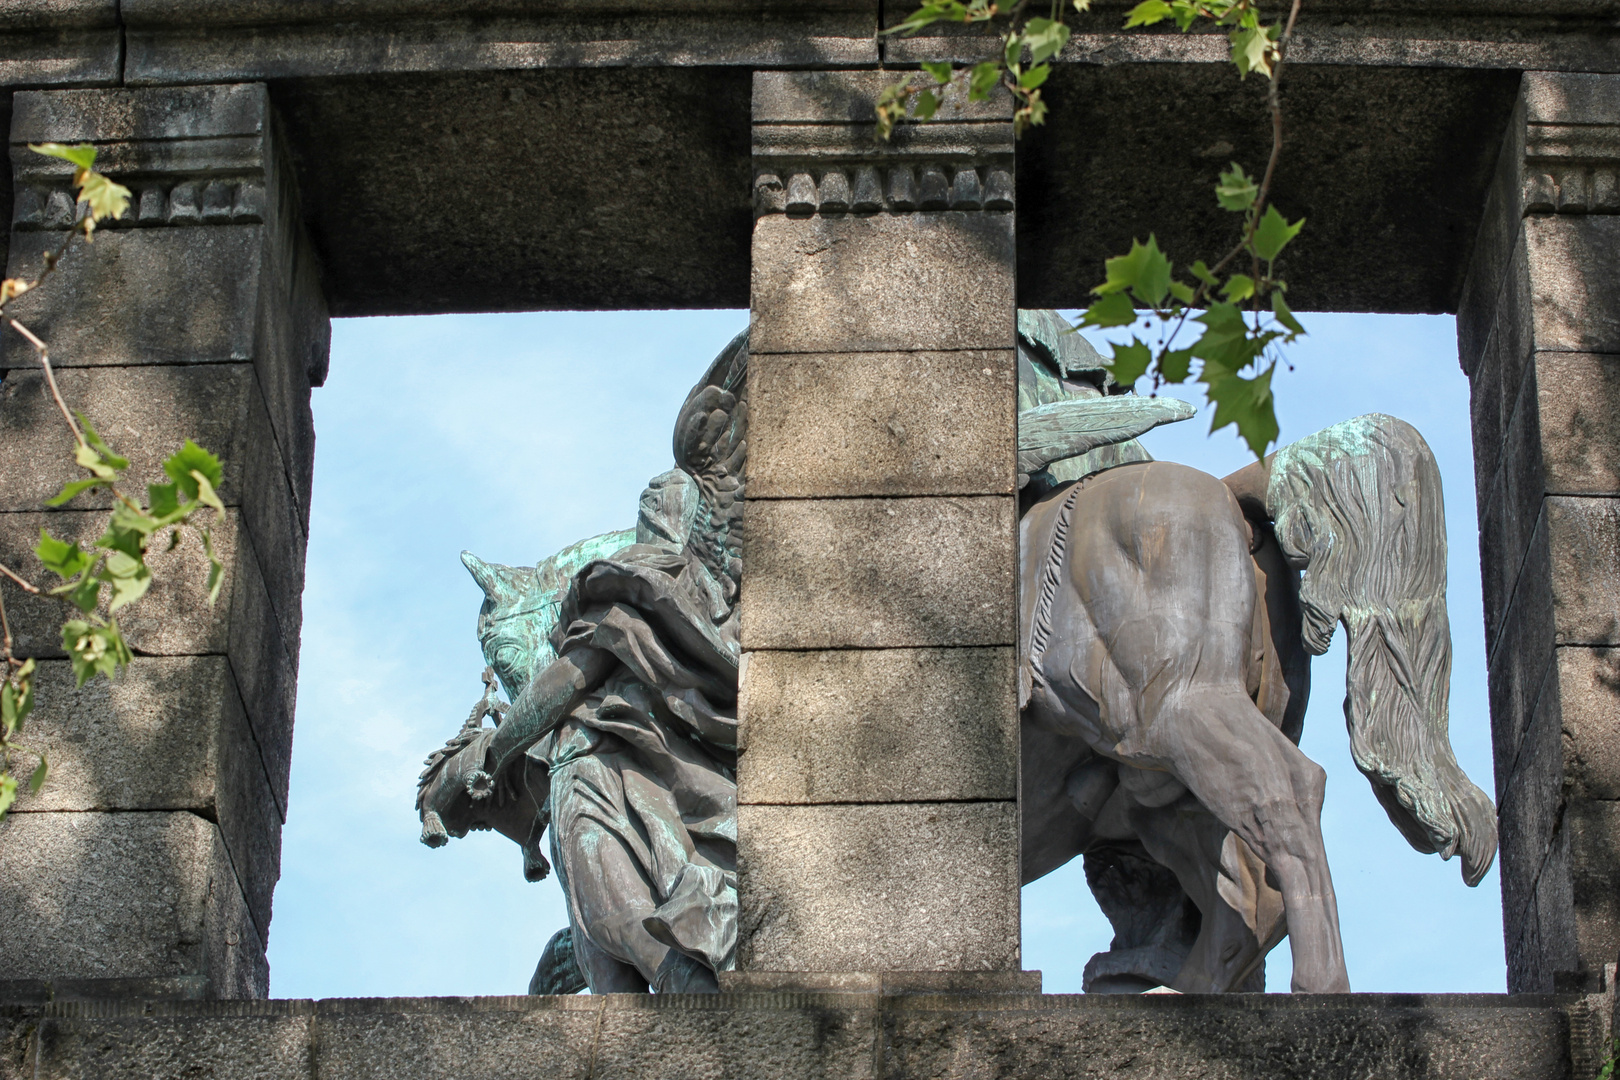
[{"x": 514, "y": 435}]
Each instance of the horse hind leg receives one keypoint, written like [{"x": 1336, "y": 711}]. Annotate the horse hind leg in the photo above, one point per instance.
[{"x": 1263, "y": 788}]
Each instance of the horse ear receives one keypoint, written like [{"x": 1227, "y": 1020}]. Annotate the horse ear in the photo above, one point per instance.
[{"x": 501, "y": 584}]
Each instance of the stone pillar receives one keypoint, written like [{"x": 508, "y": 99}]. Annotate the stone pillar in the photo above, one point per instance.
[
  {"x": 877, "y": 783},
  {"x": 1539, "y": 336},
  {"x": 147, "y": 863}
]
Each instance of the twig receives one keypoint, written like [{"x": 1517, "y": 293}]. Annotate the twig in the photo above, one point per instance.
[
  {"x": 6, "y": 626},
  {"x": 44, "y": 353},
  {"x": 12, "y": 574}
]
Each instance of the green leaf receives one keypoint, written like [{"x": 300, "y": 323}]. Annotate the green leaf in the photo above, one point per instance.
[
  {"x": 1273, "y": 233},
  {"x": 1251, "y": 50},
  {"x": 8, "y": 792},
  {"x": 1175, "y": 365},
  {"x": 1181, "y": 291},
  {"x": 1035, "y": 76},
  {"x": 1185, "y": 14},
  {"x": 1130, "y": 362},
  {"x": 205, "y": 493},
  {"x": 1225, "y": 343},
  {"x": 163, "y": 499},
  {"x": 942, "y": 71},
  {"x": 109, "y": 458},
  {"x": 63, "y": 559},
  {"x": 983, "y": 80},
  {"x": 1147, "y": 13},
  {"x": 1011, "y": 49},
  {"x": 1046, "y": 38},
  {"x": 94, "y": 649},
  {"x": 1202, "y": 273},
  {"x": 17, "y": 698},
  {"x": 130, "y": 578},
  {"x": 1115, "y": 309},
  {"x": 83, "y": 155},
  {"x": 37, "y": 781},
  {"x": 188, "y": 459},
  {"x": 1236, "y": 191},
  {"x": 927, "y": 105},
  {"x": 75, "y": 487},
  {"x": 1238, "y": 288},
  {"x": 1246, "y": 404},
  {"x": 216, "y": 569},
  {"x": 105, "y": 198},
  {"x": 86, "y": 593},
  {"x": 1279, "y": 308},
  {"x": 1144, "y": 270}
]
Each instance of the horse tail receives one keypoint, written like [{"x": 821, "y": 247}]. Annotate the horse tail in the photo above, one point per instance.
[{"x": 1358, "y": 509}]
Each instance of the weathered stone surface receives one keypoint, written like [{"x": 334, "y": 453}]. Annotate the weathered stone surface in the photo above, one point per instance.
[
  {"x": 140, "y": 1041},
  {"x": 876, "y": 573},
  {"x": 1589, "y": 703},
  {"x": 1575, "y": 267},
  {"x": 892, "y": 725},
  {"x": 882, "y": 424},
  {"x": 124, "y": 895},
  {"x": 880, "y": 982},
  {"x": 848, "y": 97},
  {"x": 766, "y": 1036},
  {"x": 164, "y": 296},
  {"x": 745, "y": 38},
  {"x": 1582, "y": 536},
  {"x": 175, "y": 618},
  {"x": 146, "y": 413},
  {"x": 1083, "y": 187},
  {"x": 1578, "y": 395},
  {"x": 483, "y": 1038},
  {"x": 1519, "y": 651},
  {"x": 1530, "y": 804},
  {"x": 1240, "y": 1036},
  {"x": 170, "y": 734},
  {"x": 879, "y": 887},
  {"x": 890, "y": 282},
  {"x": 1593, "y": 830}
]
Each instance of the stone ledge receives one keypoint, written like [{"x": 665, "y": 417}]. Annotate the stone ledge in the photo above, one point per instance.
[{"x": 774, "y": 1035}]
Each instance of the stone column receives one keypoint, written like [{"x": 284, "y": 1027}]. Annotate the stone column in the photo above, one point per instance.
[
  {"x": 877, "y": 784},
  {"x": 1539, "y": 336},
  {"x": 147, "y": 863}
]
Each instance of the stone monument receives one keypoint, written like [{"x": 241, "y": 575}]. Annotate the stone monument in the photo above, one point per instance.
[{"x": 1167, "y": 621}]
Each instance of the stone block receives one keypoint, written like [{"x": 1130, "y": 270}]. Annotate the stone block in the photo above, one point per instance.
[
  {"x": 174, "y": 618},
  {"x": 1527, "y": 968},
  {"x": 170, "y": 734},
  {"x": 1564, "y": 97},
  {"x": 849, "y": 97},
  {"x": 1589, "y": 701},
  {"x": 1593, "y": 828},
  {"x": 178, "y": 1041},
  {"x": 1530, "y": 803},
  {"x": 1519, "y": 648},
  {"x": 162, "y": 296},
  {"x": 485, "y": 1038},
  {"x": 1574, "y": 267},
  {"x": 889, "y": 282},
  {"x": 882, "y": 887},
  {"x": 106, "y": 115},
  {"x": 1582, "y": 539},
  {"x": 752, "y": 1037},
  {"x": 1494, "y": 244},
  {"x": 125, "y": 895},
  {"x": 1231, "y": 1037},
  {"x": 878, "y": 573},
  {"x": 146, "y": 413},
  {"x": 922, "y": 423},
  {"x": 1578, "y": 398},
  {"x": 890, "y": 725}
]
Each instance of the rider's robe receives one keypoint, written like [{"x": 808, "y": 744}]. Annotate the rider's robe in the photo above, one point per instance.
[{"x": 643, "y": 782}]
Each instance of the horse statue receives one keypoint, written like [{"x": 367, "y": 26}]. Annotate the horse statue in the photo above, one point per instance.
[{"x": 1167, "y": 620}]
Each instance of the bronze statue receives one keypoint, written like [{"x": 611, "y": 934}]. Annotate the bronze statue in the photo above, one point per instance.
[{"x": 1168, "y": 619}]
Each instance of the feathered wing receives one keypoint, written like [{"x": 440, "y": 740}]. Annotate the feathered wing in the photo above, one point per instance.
[
  {"x": 1066, "y": 429},
  {"x": 1358, "y": 509}
]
